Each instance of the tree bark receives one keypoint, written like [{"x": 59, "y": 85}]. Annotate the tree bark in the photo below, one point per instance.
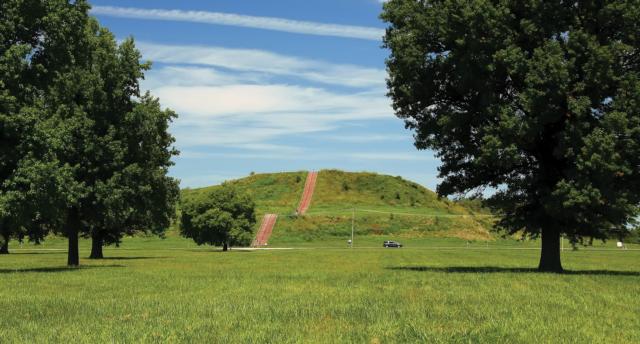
[
  {"x": 96, "y": 247},
  {"x": 225, "y": 247},
  {"x": 73, "y": 229},
  {"x": 550, "y": 254},
  {"x": 4, "y": 249}
]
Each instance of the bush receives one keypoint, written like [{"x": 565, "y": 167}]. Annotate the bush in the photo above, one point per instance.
[{"x": 222, "y": 216}]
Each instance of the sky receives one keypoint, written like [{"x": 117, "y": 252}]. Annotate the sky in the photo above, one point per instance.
[{"x": 271, "y": 86}]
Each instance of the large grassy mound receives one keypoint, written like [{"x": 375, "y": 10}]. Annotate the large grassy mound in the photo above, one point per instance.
[{"x": 384, "y": 206}]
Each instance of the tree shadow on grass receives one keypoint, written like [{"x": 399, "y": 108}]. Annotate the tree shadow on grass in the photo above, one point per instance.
[
  {"x": 496, "y": 269},
  {"x": 215, "y": 250},
  {"x": 130, "y": 258},
  {"x": 40, "y": 252},
  {"x": 58, "y": 269}
]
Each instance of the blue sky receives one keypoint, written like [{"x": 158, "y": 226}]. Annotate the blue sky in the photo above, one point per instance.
[{"x": 269, "y": 86}]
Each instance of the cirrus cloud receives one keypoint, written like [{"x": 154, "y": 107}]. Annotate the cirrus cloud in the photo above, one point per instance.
[
  {"x": 265, "y": 23},
  {"x": 265, "y": 62}
]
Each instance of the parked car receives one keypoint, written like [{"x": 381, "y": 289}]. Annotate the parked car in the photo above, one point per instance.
[{"x": 390, "y": 243}]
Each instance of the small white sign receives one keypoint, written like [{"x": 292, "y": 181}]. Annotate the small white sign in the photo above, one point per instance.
[{"x": 619, "y": 244}]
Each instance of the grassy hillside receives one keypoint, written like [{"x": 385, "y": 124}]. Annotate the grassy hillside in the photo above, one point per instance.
[
  {"x": 273, "y": 192},
  {"x": 384, "y": 206}
]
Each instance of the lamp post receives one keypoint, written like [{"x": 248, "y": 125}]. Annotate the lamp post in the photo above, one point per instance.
[{"x": 353, "y": 219}]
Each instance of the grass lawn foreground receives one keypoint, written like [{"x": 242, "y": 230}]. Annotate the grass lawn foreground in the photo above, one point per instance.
[{"x": 152, "y": 290}]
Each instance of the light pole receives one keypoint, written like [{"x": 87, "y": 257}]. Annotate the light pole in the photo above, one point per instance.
[{"x": 353, "y": 219}]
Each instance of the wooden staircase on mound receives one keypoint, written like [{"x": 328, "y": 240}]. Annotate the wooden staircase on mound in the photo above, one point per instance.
[
  {"x": 266, "y": 227},
  {"x": 307, "y": 194}
]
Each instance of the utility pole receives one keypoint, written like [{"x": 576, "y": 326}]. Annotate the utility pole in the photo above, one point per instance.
[{"x": 353, "y": 220}]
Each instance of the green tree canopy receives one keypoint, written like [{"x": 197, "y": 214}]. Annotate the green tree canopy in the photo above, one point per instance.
[
  {"x": 127, "y": 149},
  {"x": 222, "y": 216},
  {"x": 118, "y": 146},
  {"x": 83, "y": 152},
  {"x": 539, "y": 100},
  {"x": 139, "y": 196},
  {"x": 39, "y": 42}
]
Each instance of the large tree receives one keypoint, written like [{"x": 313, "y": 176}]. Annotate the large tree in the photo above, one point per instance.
[
  {"x": 138, "y": 197},
  {"x": 37, "y": 45},
  {"x": 124, "y": 149},
  {"x": 539, "y": 100},
  {"x": 78, "y": 114},
  {"x": 120, "y": 148},
  {"x": 83, "y": 153},
  {"x": 15, "y": 43},
  {"x": 222, "y": 216}
]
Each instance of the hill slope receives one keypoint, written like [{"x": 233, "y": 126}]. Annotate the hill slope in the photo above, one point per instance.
[{"x": 384, "y": 205}]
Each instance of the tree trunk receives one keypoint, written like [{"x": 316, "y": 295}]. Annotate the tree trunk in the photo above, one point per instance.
[
  {"x": 96, "y": 247},
  {"x": 225, "y": 247},
  {"x": 73, "y": 228},
  {"x": 4, "y": 249},
  {"x": 550, "y": 254}
]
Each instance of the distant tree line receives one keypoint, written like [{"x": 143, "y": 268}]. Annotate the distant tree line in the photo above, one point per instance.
[{"x": 82, "y": 152}]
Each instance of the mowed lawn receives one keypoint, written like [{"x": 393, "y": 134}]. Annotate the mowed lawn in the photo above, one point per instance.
[{"x": 169, "y": 291}]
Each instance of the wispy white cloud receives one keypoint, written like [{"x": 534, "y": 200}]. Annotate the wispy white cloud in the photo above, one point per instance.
[
  {"x": 260, "y": 61},
  {"x": 263, "y": 101},
  {"x": 234, "y": 98},
  {"x": 246, "y": 116},
  {"x": 393, "y": 156},
  {"x": 256, "y": 148},
  {"x": 265, "y": 23},
  {"x": 268, "y": 147},
  {"x": 351, "y": 138},
  {"x": 200, "y": 76},
  {"x": 206, "y": 180},
  {"x": 314, "y": 156}
]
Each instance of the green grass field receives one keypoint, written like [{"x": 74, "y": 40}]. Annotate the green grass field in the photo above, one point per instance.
[{"x": 434, "y": 290}]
